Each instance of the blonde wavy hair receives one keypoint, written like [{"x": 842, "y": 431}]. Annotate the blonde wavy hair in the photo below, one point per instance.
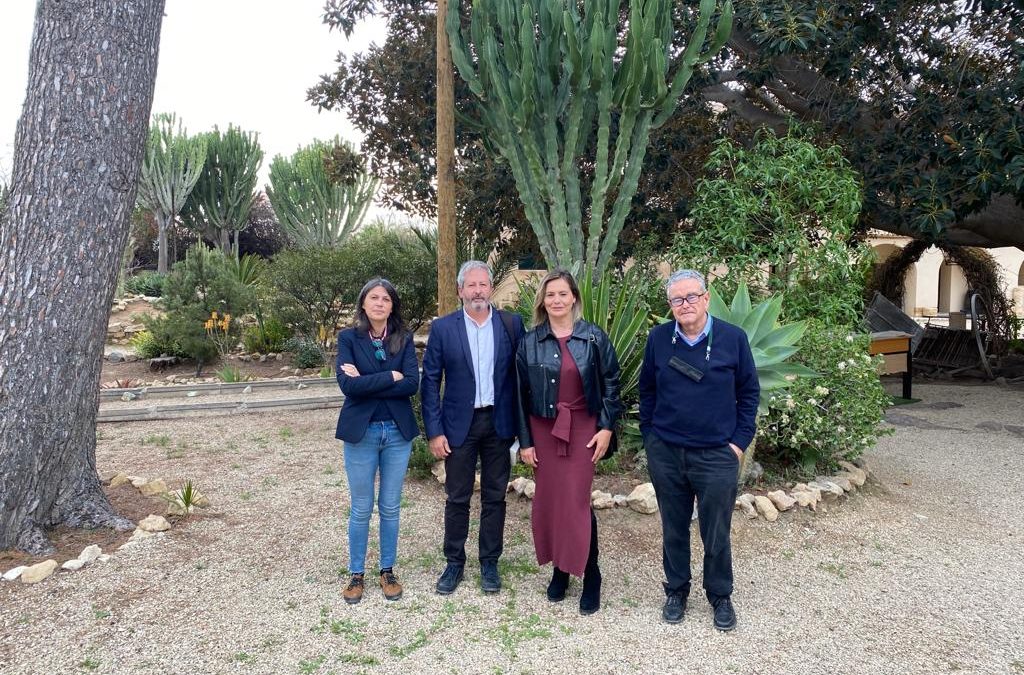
[{"x": 540, "y": 314}]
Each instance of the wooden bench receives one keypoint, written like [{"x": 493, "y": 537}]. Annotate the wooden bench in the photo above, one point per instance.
[{"x": 894, "y": 346}]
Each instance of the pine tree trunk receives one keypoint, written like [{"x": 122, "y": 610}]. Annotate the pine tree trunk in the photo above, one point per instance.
[{"x": 77, "y": 154}]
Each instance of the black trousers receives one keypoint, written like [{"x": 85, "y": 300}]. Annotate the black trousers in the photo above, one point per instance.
[
  {"x": 679, "y": 475},
  {"x": 481, "y": 443}
]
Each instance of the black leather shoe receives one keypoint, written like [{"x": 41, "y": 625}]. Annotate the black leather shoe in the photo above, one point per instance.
[
  {"x": 450, "y": 579},
  {"x": 490, "y": 580},
  {"x": 559, "y": 582},
  {"x": 674, "y": 608},
  {"x": 725, "y": 615}
]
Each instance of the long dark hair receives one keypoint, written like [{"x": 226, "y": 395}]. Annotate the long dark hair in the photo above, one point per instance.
[{"x": 397, "y": 332}]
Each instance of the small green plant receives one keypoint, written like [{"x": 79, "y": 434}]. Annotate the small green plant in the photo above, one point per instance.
[
  {"x": 305, "y": 352},
  {"x": 100, "y": 613},
  {"x": 89, "y": 663},
  {"x": 244, "y": 657},
  {"x": 285, "y": 433},
  {"x": 147, "y": 346},
  {"x": 327, "y": 372},
  {"x": 420, "y": 461},
  {"x": 311, "y": 665},
  {"x": 232, "y": 374},
  {"x": 185, "y": 498},
  {"x": 270, "y": 336},
  {"x": 146, "y": 283},
  {"x": 159, "y": 440}
]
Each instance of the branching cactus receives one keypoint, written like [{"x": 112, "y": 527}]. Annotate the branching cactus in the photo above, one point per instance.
[{"x": 560, "y": 84}]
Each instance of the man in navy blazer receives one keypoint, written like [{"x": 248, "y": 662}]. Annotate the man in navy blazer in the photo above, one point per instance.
[{"x": 472, "y": 350}]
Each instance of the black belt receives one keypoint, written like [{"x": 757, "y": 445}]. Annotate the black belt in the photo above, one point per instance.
[{"x": 483, "y": 408}]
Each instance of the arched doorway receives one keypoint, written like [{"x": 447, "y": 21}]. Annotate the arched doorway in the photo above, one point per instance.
[{"x": 882, "y": 253}]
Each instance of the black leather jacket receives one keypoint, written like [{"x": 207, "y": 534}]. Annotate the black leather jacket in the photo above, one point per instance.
[{"x": 538, "y": 368}]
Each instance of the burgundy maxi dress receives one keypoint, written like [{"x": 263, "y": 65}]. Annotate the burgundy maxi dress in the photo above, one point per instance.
[{"x": 564, "y": 474}]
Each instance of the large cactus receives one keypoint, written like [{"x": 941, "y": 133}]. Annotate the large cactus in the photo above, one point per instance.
[
  {"x": 315, "y": 208},
  {"x": 170, "y": 170},
  {"x": 222, "y": 198},
  {"x": 553, "y": 74}
]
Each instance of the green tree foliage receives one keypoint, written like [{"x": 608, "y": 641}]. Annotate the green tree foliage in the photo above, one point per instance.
[
  {"x": 222, "y": 199},
  {"x": 321, "y": 193},
  {"x": 781, "y": 216},
  {"x": 387, "y": 93},
  {"x": 170, "y": 170},
  {"x": 924, "y": 95},
  {"x": 545, "y": 72},
  {"x": 205, "y": 282}
]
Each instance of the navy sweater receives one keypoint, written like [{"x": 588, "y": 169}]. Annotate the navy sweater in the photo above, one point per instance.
[{"x": 718, "y": 410}]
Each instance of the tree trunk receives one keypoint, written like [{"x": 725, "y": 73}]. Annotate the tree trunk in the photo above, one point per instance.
[
  {"x": 77, "y": 154},
  {"x": 447, "y": 300},
  {"x": 162, "y": 225}
]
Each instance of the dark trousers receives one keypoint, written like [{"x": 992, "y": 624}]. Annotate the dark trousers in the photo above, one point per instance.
[
  {"x": 460, "y": 469},
  {"x": 678, "y": 476}
]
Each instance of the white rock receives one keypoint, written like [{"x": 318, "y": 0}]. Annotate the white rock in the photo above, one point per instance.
[
  {"x": 153, "y": 488},
  {"x": 248, "y": 389},
  {"x": 517, "y": 485},
  {"x": 301, "y": 385},
  {"x": 128, "y": 396},
  {"x": 120, "y": 478},
  {"x": 154, "y": 523},
  {"x": 598, "y": 493},
  {"x": 103, "y": 557},
  {"x": 192, "y": 394},
  {"x": 745, "y": 502},
  {"x": 73, "y": 565},
  {"x": 175, "y": 509},
  {"x": 842, "y": 479},
  {"x": 829, "y": 490},
  {"x": 137, "y": 481},
  {"x": 138, "y": 535},
  {"x": 807, "y": 498},
  {"x": 201, "y": 501},
  {"x": 14, "y": 573},
  {"x": 90, "y": 553},
  {"x": 529, "y": 489},
  {"x": 643, "y": 499},
  {"x": 781, "y": 500},
  {"x": 602, "y": 500},
  {"x": 439, "y": 472},
  {"x": 766, "y": 508},
  {"x": 621, "y": 500},
  {"x": 33, "y": 574},
  {"x": 857, "y": 475}
]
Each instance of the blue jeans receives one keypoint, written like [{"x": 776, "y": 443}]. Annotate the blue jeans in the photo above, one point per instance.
[{"x": 383, "y": 448}]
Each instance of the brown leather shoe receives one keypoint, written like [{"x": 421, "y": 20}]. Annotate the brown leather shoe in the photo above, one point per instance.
[
  {"x": 353, "y": 593},
  {"x": 389, "y": 584}
]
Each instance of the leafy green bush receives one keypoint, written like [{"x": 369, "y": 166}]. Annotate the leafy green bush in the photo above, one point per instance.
[
  {"x": 146, "y": 346},
  {"x": 146, "y": 283},
  {"x": 781, "y": 216},
  {"x": 306, "y": 352},
  {"x": 265, "y": 338},
  {"x": 201, "y": 284},
  {"x": 817, "y": 422}
]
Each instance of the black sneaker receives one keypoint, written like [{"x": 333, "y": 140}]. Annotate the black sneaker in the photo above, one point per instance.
[
  {"x": 674, "y": 608},
  {"x": 450, "y": 579},
  {"x": 490, "y": 580},
  {"x": 725, "y": 615}
]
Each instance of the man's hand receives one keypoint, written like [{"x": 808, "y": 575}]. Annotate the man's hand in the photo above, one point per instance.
[
  {"x": 600, "y": 443},
  {"x": 529, "y": 456},
  {"x": 350, "y": 370},
  {"x": 736, "y": 449},
  {"x": 439, "y": 447}
]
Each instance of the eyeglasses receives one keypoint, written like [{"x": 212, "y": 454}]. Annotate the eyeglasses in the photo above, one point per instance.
[
  {"x": 692, "y": 299},
  {"x": 378, "y": 345}
]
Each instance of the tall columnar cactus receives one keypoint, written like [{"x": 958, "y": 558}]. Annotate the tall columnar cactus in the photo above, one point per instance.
[
  {"x": 222, "y": 198},
  {"x": 314, "y": 208},
  {"x": 170, "y": 170},
  {"x": 558, "y": 88}
]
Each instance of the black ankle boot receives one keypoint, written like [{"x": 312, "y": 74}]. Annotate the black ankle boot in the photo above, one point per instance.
[
  {"x": 559, "y": 582},
  {"x": 590, "y": 599}
]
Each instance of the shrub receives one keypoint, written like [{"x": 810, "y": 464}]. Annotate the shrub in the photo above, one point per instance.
[
  {"x": 817, "y": 422},
  {"x": 146, "y": 346},
  {"x": 268, "y": 337},
  {"x": 306, "y": 352},
  {"x": 146, "y": 283},
  {"x": 781, "y": 217}
]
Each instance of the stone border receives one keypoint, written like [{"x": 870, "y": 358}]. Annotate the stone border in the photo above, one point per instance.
[
  {"x": 165, "y": 412},
  {"x": 151, "y": 526},
  {"x": 176, "y": 390}
]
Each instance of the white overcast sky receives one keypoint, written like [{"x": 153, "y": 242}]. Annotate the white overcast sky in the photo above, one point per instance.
[{"x": 242, "y": 62}]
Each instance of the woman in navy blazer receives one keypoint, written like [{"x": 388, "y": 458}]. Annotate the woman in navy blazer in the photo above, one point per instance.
[{"x": 377, "y": 372}]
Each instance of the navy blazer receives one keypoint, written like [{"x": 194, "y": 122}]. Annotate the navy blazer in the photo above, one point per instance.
[
  {"x": 448, "y": 357},
  {"x": 374, "y": 384}
]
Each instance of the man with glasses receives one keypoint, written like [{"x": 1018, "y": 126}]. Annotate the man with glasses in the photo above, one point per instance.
[
  {"x": 472, "y": 352},
  {"x": 698, "y": 404}
]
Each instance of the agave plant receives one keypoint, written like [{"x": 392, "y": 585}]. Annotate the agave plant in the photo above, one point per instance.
[{"x": 770, "y": 343}]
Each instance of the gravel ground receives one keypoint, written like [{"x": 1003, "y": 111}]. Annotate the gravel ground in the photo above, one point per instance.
[{"x": 920, "y": 573}]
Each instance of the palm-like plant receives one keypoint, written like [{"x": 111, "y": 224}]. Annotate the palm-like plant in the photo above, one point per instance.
[{"x": 770, "y": 343}]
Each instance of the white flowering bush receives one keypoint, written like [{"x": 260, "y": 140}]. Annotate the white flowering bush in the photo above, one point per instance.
[{"x": 815, "y": 423}]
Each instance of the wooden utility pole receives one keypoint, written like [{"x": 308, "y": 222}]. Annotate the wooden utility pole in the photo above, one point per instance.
[{"x": 447, "y": 299}]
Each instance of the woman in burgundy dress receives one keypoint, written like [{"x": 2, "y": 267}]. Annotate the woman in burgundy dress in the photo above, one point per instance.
[{"x": 568, "y": 407}]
